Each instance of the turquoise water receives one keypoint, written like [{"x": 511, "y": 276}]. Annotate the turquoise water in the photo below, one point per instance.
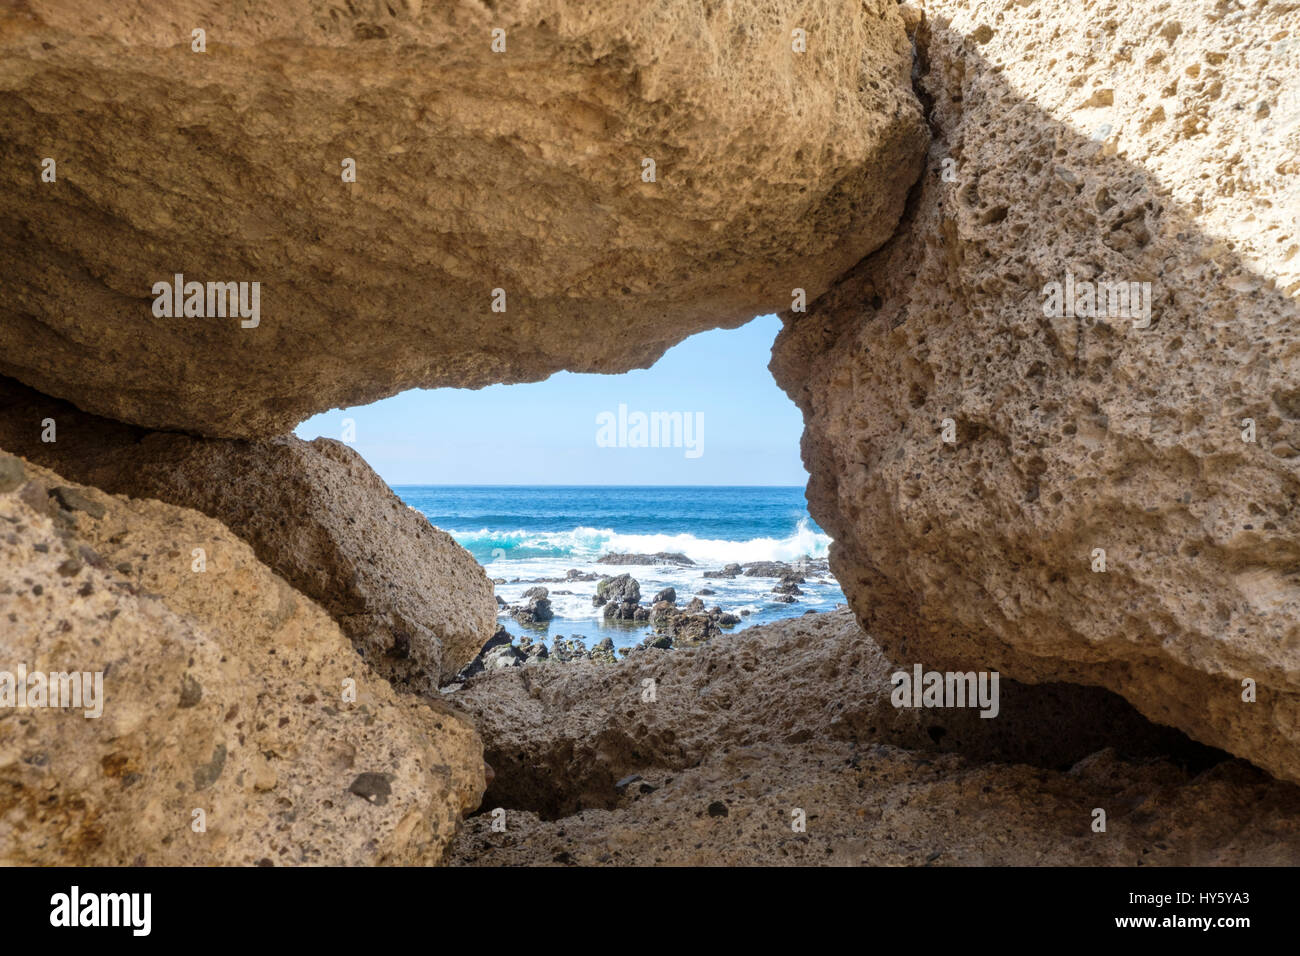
[{"x": 522, "y": 534}]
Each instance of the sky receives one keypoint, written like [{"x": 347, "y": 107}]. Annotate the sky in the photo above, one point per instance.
[{"x": 567, "y": 430}]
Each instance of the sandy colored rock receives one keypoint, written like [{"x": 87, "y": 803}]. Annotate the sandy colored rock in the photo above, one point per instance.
[
  {"x": 475, "y": 171},
  {"x": 796, "y": 716},
  {"x": 877, "y": 805},
  {"x": 223, "y": 692},
  {"x": 1151, "y": 145},
  {"x": 560, "y": 736},
  {"x": 413, "y": 601}
]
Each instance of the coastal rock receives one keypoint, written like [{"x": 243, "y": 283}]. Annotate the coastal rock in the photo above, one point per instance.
[
  {"x": 561, "y": 737},
  {"x": 660, "y": 557},
  {"x": 504, "y": 222},
  {"x": 619, "y": 597},
  {"x": 667, "y": 594},
  {"x": 414, "y": 602},
  {"x": 730, "y": 571},
  {"x": 1117, "y": 504},
  {"x": 535, "y": 608},
  {"x": 237, "y": 718},
  {"x": 921, "y": 809}
]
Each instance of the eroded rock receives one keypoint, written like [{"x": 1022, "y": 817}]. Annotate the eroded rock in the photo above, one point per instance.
[
  {"x": 1159, "y": 152},
  {"x": 475, "y": 171},
  {"x": 225, "y": 691},
  {"x": 413, "y": 601}
]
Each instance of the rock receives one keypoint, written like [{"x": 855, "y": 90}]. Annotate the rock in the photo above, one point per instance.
[
  {"x": 773, "y": 171},
  {"x": 414, "y": 602},
  {"x": 565, "y": 650},
  {"x": 1075, "y": 435},
  {"x": 706, "y": 592},
  {"x": 970, "y": 813},
  {"x": 667, "y": 594},
  {"x": 661, "y": 557},
  {"x": 784, "y": 599},
  {"x": 535, "y": 608},
  {"x": 603, "y": 652},
  {"x": 73, "y": 500},
  {"x": 477, "y": 665},
  {"x": 573, "y": 574},
  {"x": 225, "y": 691},
  {"x": 768, "y": 569},
  {"x": 619, "y": 596},
  {"x": 560, "y": 739},
  {"x": 730, "y": 571},
  {"x": 11, "y": 472},
  {"x": 507, "y": 655},
  {"x": 787, "y": 588}
]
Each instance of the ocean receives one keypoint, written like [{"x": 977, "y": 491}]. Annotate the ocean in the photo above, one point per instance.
[{"x": 524, "y": 534}]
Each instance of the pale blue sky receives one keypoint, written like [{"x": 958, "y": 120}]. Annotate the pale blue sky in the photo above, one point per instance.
[{"x": 544, "y": 433}]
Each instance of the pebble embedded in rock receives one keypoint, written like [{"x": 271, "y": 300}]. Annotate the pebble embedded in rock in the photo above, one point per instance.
[{"x": 372, "y": 787}]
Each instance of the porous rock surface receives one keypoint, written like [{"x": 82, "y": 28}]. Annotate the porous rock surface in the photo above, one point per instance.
[
  {"x": 1132, "y": 142},
  {"x": 796, "y": 716},
  {"x": 520, "y": 170},
  {"x": 224, "y": 691},
  {"x": 560, "y": 736},
  {"x": 413, "y": 601}
]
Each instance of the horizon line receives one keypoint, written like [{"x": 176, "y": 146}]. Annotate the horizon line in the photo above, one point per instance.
[{"x": 534, "y": 485}]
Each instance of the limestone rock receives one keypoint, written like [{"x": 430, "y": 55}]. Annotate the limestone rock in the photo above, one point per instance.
[
  {"x": 560, "y": 738},
  {"x": 475, "y": 171},
  {"x": 223, "y": 692},
  {"x": 1154, "y": 147},
  {"x": 796, "y": 716},
  {"x": 413, "y": 601},
  {"x": 879, "y": 805}
]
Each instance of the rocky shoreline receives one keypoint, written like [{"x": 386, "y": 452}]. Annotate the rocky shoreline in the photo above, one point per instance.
[{"x": 673, "y": 623}]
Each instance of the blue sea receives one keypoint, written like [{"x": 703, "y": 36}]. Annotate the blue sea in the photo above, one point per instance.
[{"x": 523, "y": 534}]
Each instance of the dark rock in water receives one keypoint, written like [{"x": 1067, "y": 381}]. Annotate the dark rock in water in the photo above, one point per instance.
[
  {"x": 784, "y": 598},
  {"x": 787, "y": 587},
  {"x": 625, "y": 612},
  {"x": 728, "y": 620},
  {"x": 534, "y": 609},
  {"x": 661, "y": 557},
  {"x": 667, "y": 594},
  {"x": 661, "y": 641},
  {"x": 623, "y": 589},
  {"x": 500, "y": 601},
  {"x": 573, "y": 574},
  {"x": 730, "y": 571},
  {"x": 573, "y": 649},
  {"x": 707, "y": 592},
  {"x": 604, "y": 652},
  {"x": 533, "y": 651},
  {"x": 767, "y": 569}
]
